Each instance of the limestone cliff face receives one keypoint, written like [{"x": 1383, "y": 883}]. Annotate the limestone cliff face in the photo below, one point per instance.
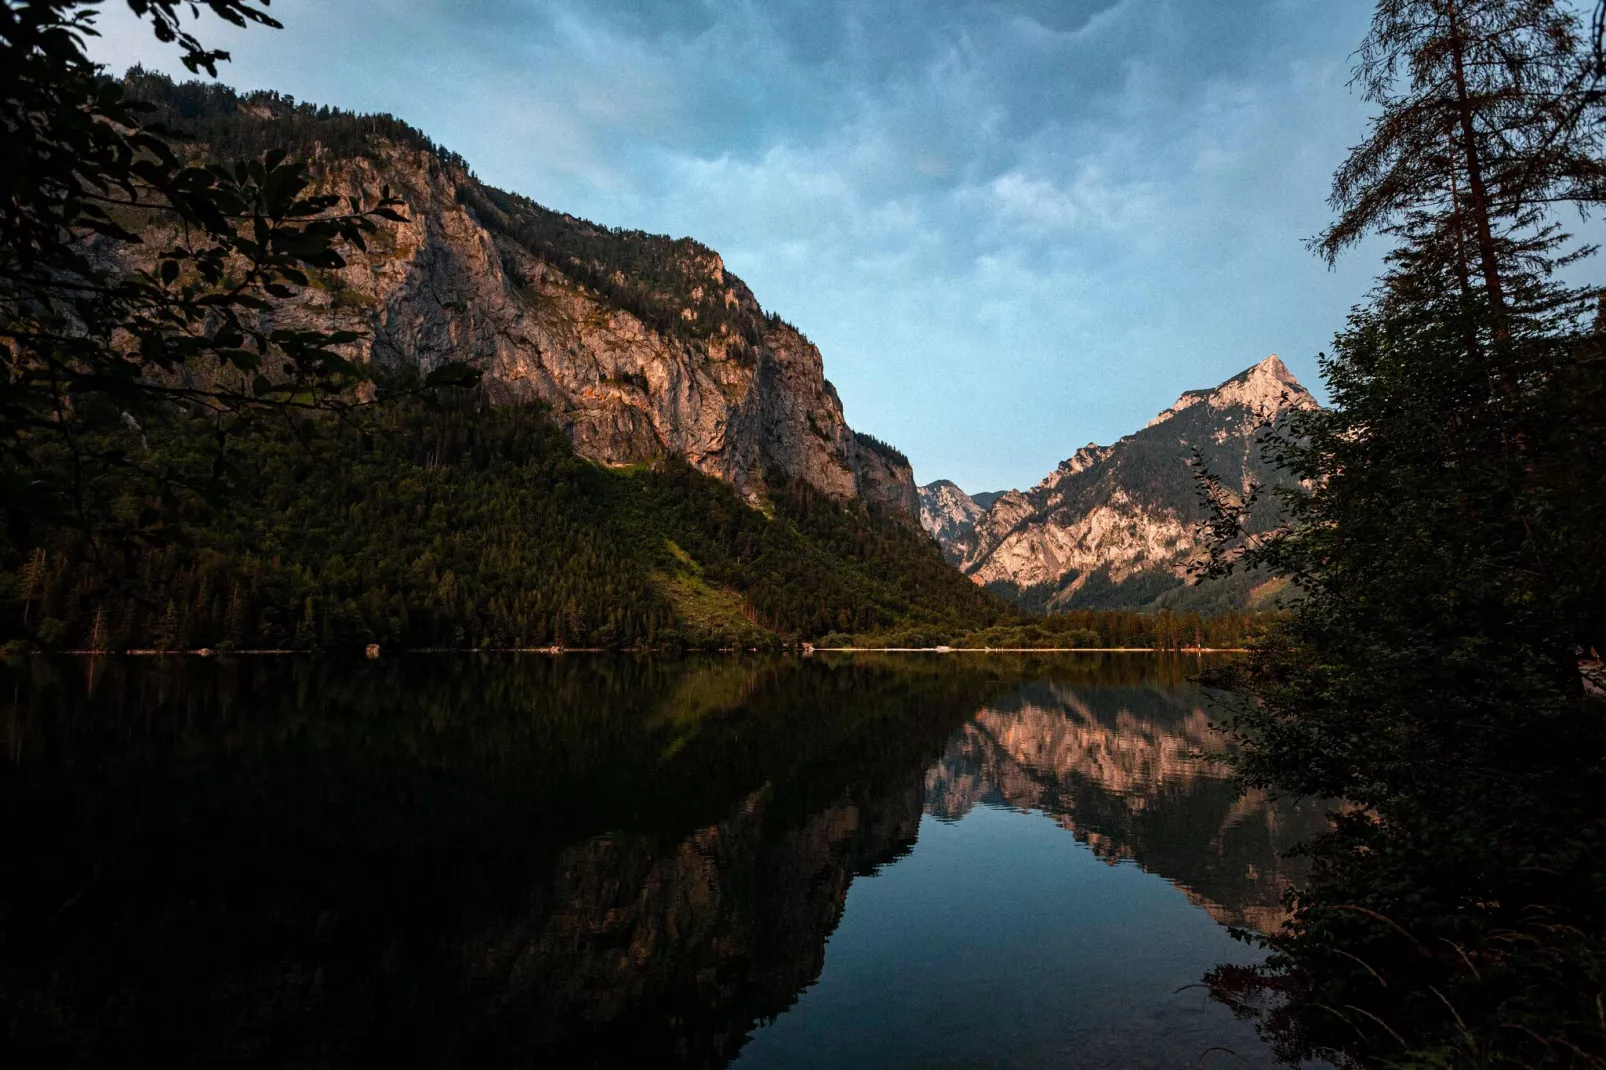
[
  {"x": 643, "y": 347},
  {"x": 884, "y": 478},
  {"x": 1117, "y": 525},
  {"x": 949, "y": 515}
]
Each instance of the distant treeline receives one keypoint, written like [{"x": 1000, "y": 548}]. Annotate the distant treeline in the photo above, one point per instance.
[{"x": 1085, "y": 629}]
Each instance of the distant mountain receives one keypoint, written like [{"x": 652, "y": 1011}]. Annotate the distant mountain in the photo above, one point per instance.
[
  {"x": 986, "y": 498},
  {"x": 1115, "y": 526},
  {"x": 950, "y": 515}
]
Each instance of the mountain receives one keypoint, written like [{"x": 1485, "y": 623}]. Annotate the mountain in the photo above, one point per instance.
[
  {"x": 1115, "y": 526},
  {"x": 949, "y": 515},
  {"x": 641, "y": 346},
  {"x": 650, "y": 459},
  {"x": 986, "y": 498}
]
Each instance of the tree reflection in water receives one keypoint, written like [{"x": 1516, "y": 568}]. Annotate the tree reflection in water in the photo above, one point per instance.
[{"x": 462, "y": 860}]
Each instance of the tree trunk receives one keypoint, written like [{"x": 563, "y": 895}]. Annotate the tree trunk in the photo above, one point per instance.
[
  {"x": 1480, "y": 197},
  {"x": 1462, "y": 271}
]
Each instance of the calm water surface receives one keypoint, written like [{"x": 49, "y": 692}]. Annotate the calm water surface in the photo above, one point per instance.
[{"x": 893, "y": 861}]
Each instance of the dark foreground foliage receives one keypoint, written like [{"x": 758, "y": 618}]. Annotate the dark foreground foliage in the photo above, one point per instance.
[
  {"x": 1458, "y": 910},
  {"x": 92, "y": 314},
  {"x": 1440, "y": 673}
]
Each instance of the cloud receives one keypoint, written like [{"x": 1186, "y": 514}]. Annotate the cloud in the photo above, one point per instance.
[{"x": 1011, "y": 225}]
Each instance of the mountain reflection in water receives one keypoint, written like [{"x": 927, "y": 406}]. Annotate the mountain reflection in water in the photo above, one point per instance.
[
  {"x": 1121, "y": 768},
  {"x": 529, "y": 860}
]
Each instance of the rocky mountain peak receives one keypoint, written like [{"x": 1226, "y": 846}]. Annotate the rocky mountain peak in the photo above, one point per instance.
[
  {"x": 1080, "y": 461},
  {"x": 1267, "y": 387},
  {"x": 947, "y": 513},
  {"x": 1273, "y": 365},
  {"x": 1117, "y": 525}
]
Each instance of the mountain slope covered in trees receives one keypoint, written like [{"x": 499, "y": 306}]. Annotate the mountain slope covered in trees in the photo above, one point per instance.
[
  {"x": 472, "y": 525},
  {"x": 649, "y": 457}
]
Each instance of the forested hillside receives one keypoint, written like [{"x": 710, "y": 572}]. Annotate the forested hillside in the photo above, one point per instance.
[{"x": 465, "y": 525}]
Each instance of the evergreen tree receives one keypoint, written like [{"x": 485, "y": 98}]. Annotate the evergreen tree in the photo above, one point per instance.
[
  {"x": 1487, "y": 120},
  {"x": 1446, "y": 545}
]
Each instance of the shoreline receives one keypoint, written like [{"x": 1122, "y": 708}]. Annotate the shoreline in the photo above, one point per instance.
[
  {"x": 1029, "y": 650},
  {"x": 806, "y": 649}
]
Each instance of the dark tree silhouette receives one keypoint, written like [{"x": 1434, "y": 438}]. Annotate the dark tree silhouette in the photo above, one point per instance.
[
  {"x": 1445, "y": 536},
  {"x": 96, "y": 323}
]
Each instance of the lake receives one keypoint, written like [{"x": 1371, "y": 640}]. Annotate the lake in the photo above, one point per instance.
[{"x": 588, "y": 860}]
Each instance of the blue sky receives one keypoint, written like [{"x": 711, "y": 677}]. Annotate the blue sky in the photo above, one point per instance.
[{"x": 1012, "y": 227}]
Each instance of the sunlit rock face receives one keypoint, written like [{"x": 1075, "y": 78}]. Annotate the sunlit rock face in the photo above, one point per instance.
[
  {"x": 949, "y": 515},
  {"x": 1117, "y": 526},
  {"x": 1123, "y": 772},
  {"x": 476, "y": 276}
]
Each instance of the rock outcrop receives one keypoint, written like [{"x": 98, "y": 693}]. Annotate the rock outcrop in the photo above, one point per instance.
[
  {"x": 949, "y": 515},
  {"x": 1116, "y": 526},
  {"x": 643, "y": 347}
]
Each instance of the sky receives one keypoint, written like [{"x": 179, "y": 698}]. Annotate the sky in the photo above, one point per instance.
[{"x": 1012, "y": 227}]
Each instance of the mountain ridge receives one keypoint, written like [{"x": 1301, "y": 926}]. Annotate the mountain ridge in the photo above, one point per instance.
[
  {"x": 641, "y": 346},
  {"x": 1115, "y": 526}
]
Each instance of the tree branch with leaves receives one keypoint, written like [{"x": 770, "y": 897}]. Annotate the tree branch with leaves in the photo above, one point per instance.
[{"x": 92, "y": 314}]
